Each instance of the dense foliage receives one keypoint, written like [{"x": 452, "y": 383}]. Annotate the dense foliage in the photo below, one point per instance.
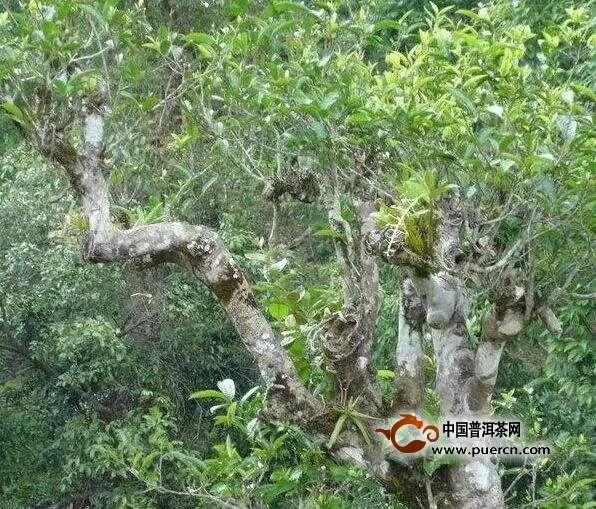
[{"x": 123, "y": 385}]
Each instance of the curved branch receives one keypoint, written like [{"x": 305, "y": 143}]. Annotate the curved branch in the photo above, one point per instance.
[
  {"x": 502, "y": 262},
  {"x": 197, "y": 248}
]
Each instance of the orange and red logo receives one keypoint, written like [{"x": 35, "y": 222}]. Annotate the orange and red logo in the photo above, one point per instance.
[{"x": 430, "y": 431}]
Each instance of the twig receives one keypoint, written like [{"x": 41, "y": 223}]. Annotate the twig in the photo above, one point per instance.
[
  {"x": 190, "y": 493},
  {"x": 429, "y": 493},
  {"x": 534, "y": 473},
  {"x": 583, "y": 295},
  {"x": 517, "y": 478},
  {"x": 502, "y": 262},
  {"x": 273, "y": 231}
]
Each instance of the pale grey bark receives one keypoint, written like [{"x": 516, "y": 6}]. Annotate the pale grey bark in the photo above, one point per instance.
[
  {"x": 369, "y": 288},
  {"x": 499, "y": 327},
  {"x": 195, "y": 247},
  {"x": 465, "y": 377},
  {"x": 200, "y": 250},
  {"x": 550, "y": 319},
  {"x": 409, "y": 355},
  {"x": 433, "y": 296},
  {"x": 474, "y": 484}
]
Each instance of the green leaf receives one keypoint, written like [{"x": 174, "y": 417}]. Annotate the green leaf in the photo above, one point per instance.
[
  {"x": 209, "y": 393},
  {"x": 14, "y": 111},
  {"x": 359, "y": 117},
  {"x": 327, "y": 231},
  {"x": 337, "y": 430},
  {"x": 230, "y": 449},
  {"x": 278, "y": 310},
  {"x": 474, "y": 80},
  {"x": 585, "y": 91},
  {"x": 469, "y": 14},
  {"x": 363, "y": 430},
  {"x": 329, "y": 100},
  {"x": 319, "y": 130},
  {"x": 385, "y": 374},
  {"x": 200, "y": 38},
  {"x": 238, "y": 7},
  {"x": 464, "y": 101},
  {"x": 206, "y": 51},
  {"x": 387, "y": 24},
  {"x": 431, "y": 466},
  {"x": 232, "y": 409}
]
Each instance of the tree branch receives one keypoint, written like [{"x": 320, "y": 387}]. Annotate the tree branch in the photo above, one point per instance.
[
  {"x": 409, "y": 356},
  {"x": 549, "y": 318},
  {"x": 349, "y": 334},
  {"x": 199, "y": 249},
  {"x": 498, "y": 328},
  {"x": 389, "y": 245}
]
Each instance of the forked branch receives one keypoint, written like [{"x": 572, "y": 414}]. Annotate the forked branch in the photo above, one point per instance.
[{"x": 197, "y": 248}]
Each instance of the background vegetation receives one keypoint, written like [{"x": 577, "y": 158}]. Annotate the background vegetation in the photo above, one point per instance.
[{"x": 207, "y": 102}]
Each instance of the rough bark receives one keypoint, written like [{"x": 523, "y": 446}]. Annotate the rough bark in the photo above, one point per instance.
[
  {"x": 369, "y": 270},
  {"x": 200, "y": 250},
  {"x": 343, "y": 243},
  {"x": 349, "y": 334},
  {"x": 409, "y": 356},
  {"x": 474, "y": 484},
  {"x": 498, "y": 328},
  {"x": 389, "y": 244},
  {"x": 195, "y": 247},
  {"x": 464, "y": 378},
  {"x": 300, "y": 187},
  {"x": 446, "y": 315},
  {"x": 346, "y": 338}
]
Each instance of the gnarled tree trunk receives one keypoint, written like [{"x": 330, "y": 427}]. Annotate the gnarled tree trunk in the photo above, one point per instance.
[
  {"x": 433, "y": 297},
  {"x": 465, "y": 377}
]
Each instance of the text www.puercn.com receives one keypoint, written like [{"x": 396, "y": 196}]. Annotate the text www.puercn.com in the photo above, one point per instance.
[{"x": 530, "y": 450}]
